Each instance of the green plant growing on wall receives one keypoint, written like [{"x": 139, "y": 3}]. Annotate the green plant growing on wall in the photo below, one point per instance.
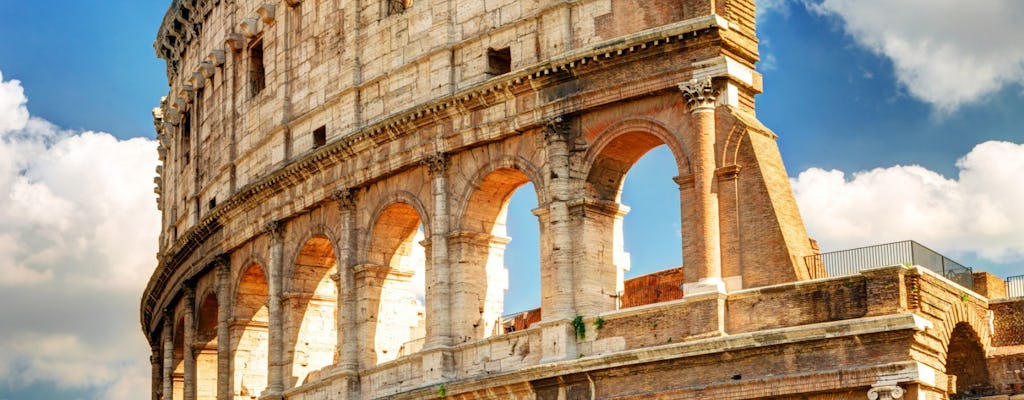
[
  {"x": 599, "y": 323},
  {"x": 580, "y": 327},
  {"x": 442, "y": 391}
]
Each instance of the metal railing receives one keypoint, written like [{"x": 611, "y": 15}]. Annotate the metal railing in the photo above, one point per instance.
[
  {"x": 907, "y": 252},
  {"x": 1015, "y": 286}
]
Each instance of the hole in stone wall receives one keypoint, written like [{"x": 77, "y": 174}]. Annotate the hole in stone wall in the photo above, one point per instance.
[
  {"x": 257, "y": 73},
  {"x": 499, "y": 61},
  {"x": 319, "y": 136}
]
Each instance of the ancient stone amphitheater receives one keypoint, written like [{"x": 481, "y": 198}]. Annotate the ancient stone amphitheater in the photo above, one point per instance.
[{"x": 311, "y": 149}]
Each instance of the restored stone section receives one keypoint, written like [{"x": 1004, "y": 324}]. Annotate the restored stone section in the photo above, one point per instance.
[{"x": 989, "y": 285}]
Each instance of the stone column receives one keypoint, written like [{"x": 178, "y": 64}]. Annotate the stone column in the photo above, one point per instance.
[
  {"x": 700, "y": 97},
  {"x": 168, "y": 343},
  {"x": 156, "y": 376},
  {"x": 438, "y": 276},
  {"x": 561, "y": 304},
  {"x": 275, "y": 332},
  {"x": 190, "y": 341},
  {"x": 223, "y": 263},
  {"x": 348, "y": 339}
]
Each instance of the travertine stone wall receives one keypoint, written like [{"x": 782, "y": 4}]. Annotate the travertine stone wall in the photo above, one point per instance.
[{"x": 335, "y": 180}]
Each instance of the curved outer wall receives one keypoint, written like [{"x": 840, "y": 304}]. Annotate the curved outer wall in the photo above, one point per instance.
[{"x": 306, "y": 142}]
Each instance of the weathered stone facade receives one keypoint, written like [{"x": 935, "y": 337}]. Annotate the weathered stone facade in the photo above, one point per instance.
[{"x": 320, "y": 156}]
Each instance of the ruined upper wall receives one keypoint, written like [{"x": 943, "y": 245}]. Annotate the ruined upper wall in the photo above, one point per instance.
[{"x": 331, "y": 68}]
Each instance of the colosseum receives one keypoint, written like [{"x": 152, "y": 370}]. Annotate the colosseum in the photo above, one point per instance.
[{"x": 335, "y": 183}]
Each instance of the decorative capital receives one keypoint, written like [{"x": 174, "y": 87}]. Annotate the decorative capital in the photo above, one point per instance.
[
  {"x": 556, "y": 129},
  {"x": 346, "y": 198},
  {"x": 336, "y": 277},
  {"x": 275, "y": 229},
  {"x": 700, "y": 94},
  {"x": 266, "y": 12},
  {"x": 217, "y": 57},
  {"x": 222, "y": 262},
  {"x": 168, "y": 318},
  {"x": 436, "y": 163},
  {"x": 189, "y": 288},
  {"x": 885, "y": 392}
]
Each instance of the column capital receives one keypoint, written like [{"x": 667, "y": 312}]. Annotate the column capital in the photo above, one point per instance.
[
  {"x": 275, "y": 229},
  {"x": 700, "y": 94},
  {"x": 346, "y": 198},
  {"x": 436, "y": 163},
  {"x": 222, "y": 264},
  {"x": 885, "y": 392},
  {"x": 189, "y": 288},
  {"x": 168, "y": 317},
  {"x": 556, "y": 129}
]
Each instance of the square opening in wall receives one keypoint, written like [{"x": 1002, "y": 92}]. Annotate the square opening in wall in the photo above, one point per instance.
[
  {"x": 499, "y": 61},
  {"x": 257, "y": 73},
  {"x": 319, "y": 136}
]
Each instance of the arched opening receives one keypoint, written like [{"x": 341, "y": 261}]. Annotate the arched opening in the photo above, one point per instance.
[
  {"x": 206, "y": 349},
  {"x": 653, "y": 234},
  {"x": 312, "y": 302},
  {"x": 521, "y": 304},
  {"x": 391, "y": 285},
  {"x": 178, "y": 371},
  {"x": 249, "y": 334},
  {"x": 965, "y": 359},
  {"x": 480, "y": 248}
]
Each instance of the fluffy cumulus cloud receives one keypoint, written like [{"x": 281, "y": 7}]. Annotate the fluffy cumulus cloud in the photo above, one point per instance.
[
  {"x": 945, "y": 52},
  {"x": 77, "y": 244},
  {"x": 978, "y": 212}
]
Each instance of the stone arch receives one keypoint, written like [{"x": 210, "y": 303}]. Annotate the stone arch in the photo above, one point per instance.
[
  {"x": 206, "y": 346},
  {"x": 962, "y": 311},
  {"x": 304, "y": 233},
  {"x": 965, "y": 360},
  {"x": 622, "y": 144},
  {"x": 520, "y": 164},
  {"x": 249, "y": 331},
  {"x": 616, "y": 149},
  {"x": 311, "y": 303},
  {"x": 478, "y": 245},
  {"x": 392, "y": 316}
]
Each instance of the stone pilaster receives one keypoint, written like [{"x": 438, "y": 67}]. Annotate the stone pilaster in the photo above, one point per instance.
[
  {"x": 348, "y": 338},
  {"x": 438, "y": 275},
  {"x": 701, "y": 97},
  {"x": 438, "y": 364},
  {"x": 167, "y": 339},
  {"x": 275, "y": 331},
  {"x": 223, "y": 269},
  {"x": 561, "y": 304},
  {"x": 156, "y": 375},
  {"x": 190, "y": 341}
]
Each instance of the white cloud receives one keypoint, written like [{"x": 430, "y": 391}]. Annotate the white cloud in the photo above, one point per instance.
[
  {"x": 978, "y": 212},
  {"x": 945, "y": 52},
  {"x": 77, "y": 245},
  {"x": 13, "y": 114}
]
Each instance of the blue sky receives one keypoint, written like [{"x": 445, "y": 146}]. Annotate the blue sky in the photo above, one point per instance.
[{"x": 895, "y": 120}]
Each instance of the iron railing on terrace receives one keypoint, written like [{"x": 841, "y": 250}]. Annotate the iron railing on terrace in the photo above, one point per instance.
[
  {"x": 1015, "y": 286},
  {"x": 907, "y": 252}
]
